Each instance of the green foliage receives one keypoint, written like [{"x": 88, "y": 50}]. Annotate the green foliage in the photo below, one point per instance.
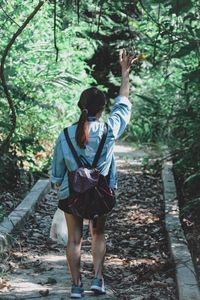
[
  {"x": 9, "y": 170},
  {"x": 165, "y": 88},
  {"x": 191, "y": 205},
  {"x": 45, "y": 93},
  {"x": 167, "y": 94}
]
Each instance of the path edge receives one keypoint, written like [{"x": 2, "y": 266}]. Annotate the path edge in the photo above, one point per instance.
[
  {"x": 186, "y": 278},
  {"x": 16, "y": 219}
]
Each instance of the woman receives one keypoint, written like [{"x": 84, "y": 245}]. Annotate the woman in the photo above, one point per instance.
[{"x": 85, "y": 137}]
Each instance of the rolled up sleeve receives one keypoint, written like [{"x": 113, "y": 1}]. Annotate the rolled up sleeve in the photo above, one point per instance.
[
  {"x": 58, "y": 165},
  {"x": 120, "y": 115}
]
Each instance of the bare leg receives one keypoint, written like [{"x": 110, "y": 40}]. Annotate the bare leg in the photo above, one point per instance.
[
  {"x": 98, "y": 245},
  {"x": 73, "y": 251}
]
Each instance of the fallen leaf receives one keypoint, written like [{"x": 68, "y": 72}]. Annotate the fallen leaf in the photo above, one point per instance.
[
  {"x": 51, "y": 280},
  {"x": 44, "y": 293}
]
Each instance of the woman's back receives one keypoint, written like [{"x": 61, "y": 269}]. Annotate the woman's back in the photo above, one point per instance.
[{"x": 63, "y": 159}]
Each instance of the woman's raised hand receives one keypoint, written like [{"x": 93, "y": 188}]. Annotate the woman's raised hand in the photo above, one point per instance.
[{"x": 126, "y": 60}]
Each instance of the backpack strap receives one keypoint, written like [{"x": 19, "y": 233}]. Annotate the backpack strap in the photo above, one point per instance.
[
  {"x": 75, "y": 155},
  {"x": 100, "y": 148}
]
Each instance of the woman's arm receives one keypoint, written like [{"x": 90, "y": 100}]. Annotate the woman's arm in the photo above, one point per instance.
[
  {"x": 126, "y": 61},
  {"x": 121, "y": 111},
  {"x": 58, "y": 166}
]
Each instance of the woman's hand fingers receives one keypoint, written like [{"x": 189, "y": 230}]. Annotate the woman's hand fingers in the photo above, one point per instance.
[
  {"x": 120, "y": 55},
  {"x": 124, "y": 53},
  {"x": 126, "y": 60},
  {"x": 131, "y": 60},
  {"x": 134, "y": 60},
  {"x": 125, "y": 57}
]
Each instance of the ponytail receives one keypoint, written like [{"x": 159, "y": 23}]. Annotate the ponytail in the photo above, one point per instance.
[
  {"x": 82, "y": 133},
  {"x": 90, "y": 103}
]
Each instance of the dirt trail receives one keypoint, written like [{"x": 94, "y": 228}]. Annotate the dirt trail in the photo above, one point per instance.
[{"x": 137, "y": 265}]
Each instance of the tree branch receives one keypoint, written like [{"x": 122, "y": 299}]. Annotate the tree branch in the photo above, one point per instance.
[
  {"x": 5, "y": 144},
  {"x": 78, "y": 10},
  {"x": 54, "y": 29},
  {"x": 8, "y": 16},
  {"x": 100, "y": 14}
]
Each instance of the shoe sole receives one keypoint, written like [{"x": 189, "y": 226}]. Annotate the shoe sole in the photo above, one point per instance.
[
  {"x": 74, "y": 295},
  {"x": 97, "y": 289}
]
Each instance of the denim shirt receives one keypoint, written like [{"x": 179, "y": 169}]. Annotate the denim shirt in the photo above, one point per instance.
[{"x": 63, "y": 160}]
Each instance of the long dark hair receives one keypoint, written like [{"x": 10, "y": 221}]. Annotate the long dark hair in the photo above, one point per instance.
[{"x": 91, "y": 102}]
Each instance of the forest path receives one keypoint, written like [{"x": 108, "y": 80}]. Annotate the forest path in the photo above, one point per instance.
[{"x": 137, "y": 265}]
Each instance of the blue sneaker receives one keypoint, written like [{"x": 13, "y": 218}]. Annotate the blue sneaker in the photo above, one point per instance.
[
  {"x": 98, "y": 286},
  {"x": 77, "y": 291}
]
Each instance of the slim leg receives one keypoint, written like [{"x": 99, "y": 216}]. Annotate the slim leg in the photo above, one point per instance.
[
  {"x": 98, "y": 245},
  {"x": 73, "y": 251}
]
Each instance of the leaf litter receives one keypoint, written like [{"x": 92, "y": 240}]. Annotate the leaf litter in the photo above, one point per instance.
[{"x": 138, "y": 264}]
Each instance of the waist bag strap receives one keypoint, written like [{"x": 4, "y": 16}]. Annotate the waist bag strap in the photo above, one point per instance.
[{"x": 99, "y": 150}]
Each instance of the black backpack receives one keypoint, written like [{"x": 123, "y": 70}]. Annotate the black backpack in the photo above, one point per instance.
[{"x": 89, "y": 193}]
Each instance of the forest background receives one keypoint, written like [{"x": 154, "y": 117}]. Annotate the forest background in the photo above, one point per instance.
[{"x": 70, "y": 45}]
